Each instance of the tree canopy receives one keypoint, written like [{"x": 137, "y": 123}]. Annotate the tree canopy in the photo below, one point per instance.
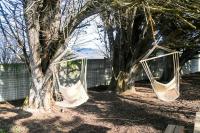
[
  {"x": 46, "y": 26},
  {"x": 132, "y": 27}
]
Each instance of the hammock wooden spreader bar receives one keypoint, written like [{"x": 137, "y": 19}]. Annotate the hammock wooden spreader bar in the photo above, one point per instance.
[
  {"x": 152, "y": 58},
  {"x": 164, "y": 91}
]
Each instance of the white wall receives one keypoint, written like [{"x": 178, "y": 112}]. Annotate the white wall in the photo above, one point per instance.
[{"x": 192, "y": 66}]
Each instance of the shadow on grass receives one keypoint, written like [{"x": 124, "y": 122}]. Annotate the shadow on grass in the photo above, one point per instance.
[
  {"x": 16, "y": 103},
  {"x": 135, "y": 111},
  {"x": 19, "y": 121},
  {"x": 87, "y": 128},
  {"x": 190, "y": 86},
  {"x": 192, "y": 78},
  {"x": 8, "y": 117},
  {"x": 59, "y": 126},
  {"x": 54, "y": 124},
  {"x": 115, "y": 109},
  {"x": 190, "y": 91}
]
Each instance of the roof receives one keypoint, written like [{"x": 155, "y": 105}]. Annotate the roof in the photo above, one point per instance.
[{"x": 89, "y": 53}]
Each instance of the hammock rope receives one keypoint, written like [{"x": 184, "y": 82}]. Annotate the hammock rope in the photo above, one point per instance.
[{"x": 164, "y": 91}]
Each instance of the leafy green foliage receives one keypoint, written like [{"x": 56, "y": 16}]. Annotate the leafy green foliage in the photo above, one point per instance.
[{"x": 2, "y": 130}]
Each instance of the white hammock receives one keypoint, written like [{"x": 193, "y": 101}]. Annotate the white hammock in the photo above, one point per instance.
[
  {"x": 169, "y": 91},
  {"x": 76, "y": 94}
]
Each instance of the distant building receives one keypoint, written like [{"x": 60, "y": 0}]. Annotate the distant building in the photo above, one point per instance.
[
  {"x": 98, "y": 67},
  {"x": 192, "y": 66},
  {"x": 90, "y": 53}
]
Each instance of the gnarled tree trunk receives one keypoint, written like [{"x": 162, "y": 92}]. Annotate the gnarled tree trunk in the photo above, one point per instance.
[
  {"x": 45, "y": 39},
  {"x": 47, "y": 35},
  {"x": 128, "y": 46}
]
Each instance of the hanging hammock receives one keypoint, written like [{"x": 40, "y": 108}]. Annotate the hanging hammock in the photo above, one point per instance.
[
  {"x": 76, "y": 94},
  {"x": 164, "y": 91}
]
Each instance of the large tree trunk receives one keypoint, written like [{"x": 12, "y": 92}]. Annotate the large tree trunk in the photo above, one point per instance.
[
  {"x": 41, "y": 90},
  {"x": 128, "y": 46},
  {"x": 44, "y": 40},
  {"x": 41, "y": 95},
  {"x": 46, "y": 36}
]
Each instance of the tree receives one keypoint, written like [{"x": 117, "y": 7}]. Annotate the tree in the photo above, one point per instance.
[
  {"x": 12, "y": 32},
  {"x": 132, "y": 26},
  {"x": 46, "y": 27},
  {"x": 50, "y": 26}
]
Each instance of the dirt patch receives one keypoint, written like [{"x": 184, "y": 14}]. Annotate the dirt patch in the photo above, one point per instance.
[{"x": 106, "y": 111}]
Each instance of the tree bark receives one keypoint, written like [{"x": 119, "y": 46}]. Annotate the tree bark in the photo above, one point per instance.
[
  {"x": 46, "y": 38},
  {"x": 41, "y": 95},
  {"x": 128, "y": 46}
]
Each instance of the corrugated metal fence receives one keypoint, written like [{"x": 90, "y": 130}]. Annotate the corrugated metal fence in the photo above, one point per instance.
[
  {"x": 14, "y": 82},
  {"x": 98, "y": 72},
  {"x": 15, "y": 79}
]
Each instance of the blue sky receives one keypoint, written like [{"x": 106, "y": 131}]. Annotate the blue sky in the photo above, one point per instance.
[{"x": 89, "y": 36}]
